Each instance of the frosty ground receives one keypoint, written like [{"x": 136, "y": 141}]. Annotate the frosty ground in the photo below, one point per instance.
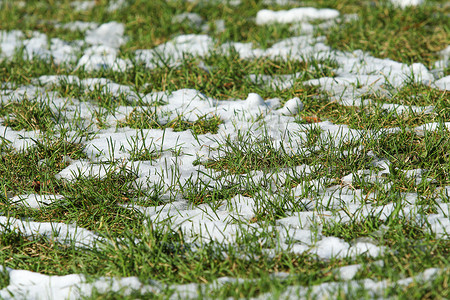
[{"x": 212, "y": 162}]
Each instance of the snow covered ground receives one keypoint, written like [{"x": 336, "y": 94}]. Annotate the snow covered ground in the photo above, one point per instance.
[{"x": 298, "y": 232}]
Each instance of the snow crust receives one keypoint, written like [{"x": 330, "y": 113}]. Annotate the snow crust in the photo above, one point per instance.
[
  {"x": 63, "y": 233},
  {"x": 298, "y": 232},
  {"x": 300, "y": 14},
  {"x": 406, "y": 3},
  {"x": 109, "y": 34},
  {"x": 30, "y": 285},
  {"x": 35, "y": 200},
  {"x": 443, "y": 83}
]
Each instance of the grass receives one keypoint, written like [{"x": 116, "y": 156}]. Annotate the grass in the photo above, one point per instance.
[
  {"x": 148, "y": 119},
  {"x": 29, "y": 115},
  {"x": 244, "y": 155},
  {"x": 417, "y": 33},
  {"x": 39, "y": 164},
  {"x": 229, "y": 156}
]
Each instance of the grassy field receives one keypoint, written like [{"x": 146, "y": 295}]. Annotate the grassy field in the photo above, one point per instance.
[{"x": 396, "y": 173}]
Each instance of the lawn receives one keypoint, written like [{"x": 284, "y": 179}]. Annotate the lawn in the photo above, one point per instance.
[{"x": 272, "y": 149}]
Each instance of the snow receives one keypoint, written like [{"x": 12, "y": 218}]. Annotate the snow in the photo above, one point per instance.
[
  {"x": 332, "y": 247},
  {"x": 30, "y": 285},
  {"x": 102, "y": 57},
  {"x": 210, "y": 224},
  {"x": 36, "y": 46},
  {"x": 173, "y": 51},
  {"x": 254, "y": 99},
  {"x": 63, "y": 52},
  {"x": 17, "y": 139},
  {"x": 406, "y": 3},
  {"x": 348, "y": 272},
  {"x": 109, "y": 34},
  {"x": 105, "y": 40},
  {"x": 193, "y": 19},
  {"x": 443, "y": 83},
  {"x": 300, "y": 14},
  {"x": 63, "y": 233},
  {"x": 292, "y": 106},
  {"x": 304, "y": 220},
  {"x": 9, "y": 42},
  {"x": 404, "y": 109},
  {"x": 299, "y": 232},
  {"x": 35, "y": 200},
  {"x": 78, "y": 25},
  {"x": 83, "y": 168},
  {"x": 83, "y": 5},
  {"x": 116, "y": 5}
]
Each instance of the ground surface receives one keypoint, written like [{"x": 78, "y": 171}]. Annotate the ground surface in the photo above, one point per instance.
[{"x": 187, "y": 149}]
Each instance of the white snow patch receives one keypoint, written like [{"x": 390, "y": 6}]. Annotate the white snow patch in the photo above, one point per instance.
[
  {"x": 102, "y": 57},
  {"x": 79, "y": 25},
  {"x": 291, "y": 107},
  {"x": 406, "y": 3},
  {"x": 84, "y": 168},
  {"x": 63, "y": 233},
  {"x": 35, "y": 200},
  {"x": 63, "y": 52},
  {"x": 109, "y": 34},
  {"x": 10, "y": 41},
  {"x": 37, "y": 46},
  {"x": 175, "y": 50},
  {"x": 193, "y": 19},
  {"x": 20, "y": 140},
  {"x": 348, "y": 272},
  {"x": 300, "y": 14},
  {"x": 443, "y": 83},
  {"x": 83, "y": 5},
  {"x": 30, "y": 285}
]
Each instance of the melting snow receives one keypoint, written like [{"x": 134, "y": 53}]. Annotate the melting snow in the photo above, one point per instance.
[
  {"x": 266, "y": 16},
  {"x": 298, "y": 232}
]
